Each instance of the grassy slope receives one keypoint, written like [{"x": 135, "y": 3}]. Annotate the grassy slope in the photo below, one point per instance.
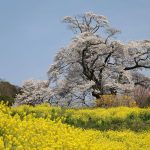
[{"x": 118, "y": 118}]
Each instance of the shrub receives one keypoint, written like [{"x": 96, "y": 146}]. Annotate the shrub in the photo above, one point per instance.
[
  {"x": 7, "y": 100},
  {"x": 114, "y": 101},
  {"x": 142, "y": 96}
]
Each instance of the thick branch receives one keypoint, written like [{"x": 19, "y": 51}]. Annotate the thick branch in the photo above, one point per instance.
[{"x": 136, "y": 66}]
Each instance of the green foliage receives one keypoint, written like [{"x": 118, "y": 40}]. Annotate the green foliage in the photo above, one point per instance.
[
  {"x": 8, "y": 92},
  {"x": 7, "y": 100},
  {"x": 8, "y": 89}
]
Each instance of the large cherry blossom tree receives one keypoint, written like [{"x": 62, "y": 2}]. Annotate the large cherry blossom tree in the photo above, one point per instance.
[{"x": 94, "y": 63}]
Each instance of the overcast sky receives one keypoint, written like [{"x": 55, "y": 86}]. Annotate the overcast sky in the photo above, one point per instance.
[{"x": 31, "y": 31}]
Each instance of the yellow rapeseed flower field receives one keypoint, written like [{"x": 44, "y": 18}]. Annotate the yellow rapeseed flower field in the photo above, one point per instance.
[{"x": 46, "y": 128}]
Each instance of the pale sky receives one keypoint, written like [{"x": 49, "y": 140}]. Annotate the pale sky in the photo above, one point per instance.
[{"x": 31, "y": 31}]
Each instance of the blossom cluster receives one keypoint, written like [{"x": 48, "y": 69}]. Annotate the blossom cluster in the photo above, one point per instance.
[{"x": 33, "y": 92}]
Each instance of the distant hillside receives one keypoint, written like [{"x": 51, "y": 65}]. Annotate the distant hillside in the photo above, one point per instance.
[{"x": 8, "y": 91}]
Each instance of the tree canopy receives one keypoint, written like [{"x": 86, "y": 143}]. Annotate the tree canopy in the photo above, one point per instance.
[
  {"x": 33, "y": 92},
  {"x": 94, "y": 63}
]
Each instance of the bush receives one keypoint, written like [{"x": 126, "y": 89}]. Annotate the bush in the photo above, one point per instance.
[
  {"x": 114, "y": 101},
  {"x": 142, "y": 96},
  {"x": 7, "y": 100}
]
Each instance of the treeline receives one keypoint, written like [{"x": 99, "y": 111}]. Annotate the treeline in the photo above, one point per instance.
[
  {"x": 8, "y": 92},
  {"x": 140, "y": 98}
]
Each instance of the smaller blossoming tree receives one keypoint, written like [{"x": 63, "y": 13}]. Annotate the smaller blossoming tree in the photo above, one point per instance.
[{"x": 33, "y": 92}]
